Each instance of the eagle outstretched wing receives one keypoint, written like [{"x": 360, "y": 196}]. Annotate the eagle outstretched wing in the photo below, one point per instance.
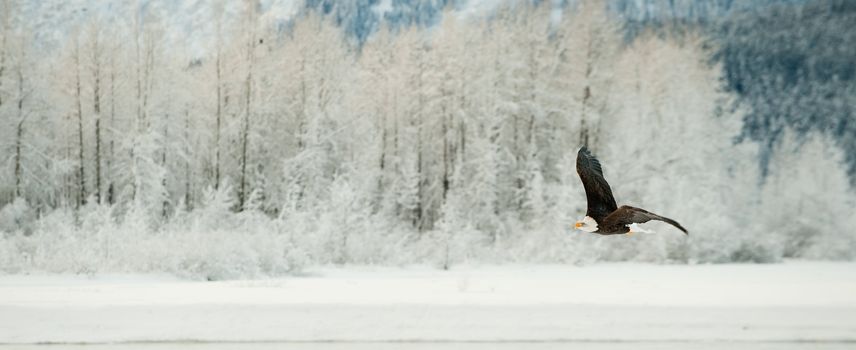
[
  {"x": 598, "y": 194},
  {"x": 627, "y": 215}
]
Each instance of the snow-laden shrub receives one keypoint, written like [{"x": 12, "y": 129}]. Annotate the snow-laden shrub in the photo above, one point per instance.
[
  {"x": 16, "y": 252},
  {"x": 247, "y": 244},
  {"x": 17, "y": 216},
  {"x": 454, "y": 239},
  {"x": 216, "y": 243},
  {"x": 215, "y": 211}
]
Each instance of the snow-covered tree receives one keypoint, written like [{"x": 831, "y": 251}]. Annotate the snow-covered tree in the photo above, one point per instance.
[
  {"x": 589, "y": 41},
  {"x": 807, "y": 199}
]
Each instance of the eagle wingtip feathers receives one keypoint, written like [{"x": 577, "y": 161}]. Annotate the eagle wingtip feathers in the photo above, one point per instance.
[{"x": 584, "y": 152}]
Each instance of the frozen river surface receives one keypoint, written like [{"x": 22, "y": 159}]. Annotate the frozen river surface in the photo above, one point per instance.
[
  {"x": 453, "y": 346},
  {"x": 794, "y": 305}
]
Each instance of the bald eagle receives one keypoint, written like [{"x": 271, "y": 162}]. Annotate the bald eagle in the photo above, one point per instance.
[{"x": 603, "y": 216}]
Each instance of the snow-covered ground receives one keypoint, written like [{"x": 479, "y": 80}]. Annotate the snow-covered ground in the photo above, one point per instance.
[{"x": 611, "y": 306}]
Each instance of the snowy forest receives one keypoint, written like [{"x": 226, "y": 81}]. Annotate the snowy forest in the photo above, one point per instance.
[{"x": 228, "y": 139}]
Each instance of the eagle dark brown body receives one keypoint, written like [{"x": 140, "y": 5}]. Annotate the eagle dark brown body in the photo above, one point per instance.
[{"x": 603, "y": 216}]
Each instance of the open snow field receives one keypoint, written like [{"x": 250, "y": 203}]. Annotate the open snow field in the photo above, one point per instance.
[{"x": 794, "y": 305}]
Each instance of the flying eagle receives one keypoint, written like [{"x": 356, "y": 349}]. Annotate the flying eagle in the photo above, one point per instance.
[{"x": 603, "y": 216}]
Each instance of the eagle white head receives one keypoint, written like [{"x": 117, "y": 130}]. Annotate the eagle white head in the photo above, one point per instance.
[{"x": 586, "y": 224}]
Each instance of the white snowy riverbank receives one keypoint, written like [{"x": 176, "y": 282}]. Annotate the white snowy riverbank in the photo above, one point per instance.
[{"x": 789, "y": 302}]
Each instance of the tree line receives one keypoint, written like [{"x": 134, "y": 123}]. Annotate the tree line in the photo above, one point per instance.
[{"x": 466, "y": 131}]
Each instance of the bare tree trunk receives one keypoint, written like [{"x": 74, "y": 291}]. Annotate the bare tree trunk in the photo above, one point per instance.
[
  {"x": 97, "y": 108},
  {"x": 446, "y": 145},
  {"x": 139, "y": 68},
  {"x": 2, "y": 68},
  {"x": 219, "y": 127},
  {"x": 383, "y": 144},
  {"x": 301, "y": 123},
  {"x": 110, "y": 189},
  {"x": 219, "y": 106},
  {"x": 245, "y": 132},
  {"x": 139, "y": 102},
  {"x": 533, "y": 80},
  {"x": 420, "y": 205},
  {"x": 395, "y": 131},
  {"x": 19, "y": 136},
  {"x": 69, "y": 179},
  {"x": 81, "y": 172},
  {"x": 149, "y": 75},
  {"x": 382, "y": 116},
  {"x": 395, "y": 150},
  {"x": 584, "y": 127},
  {"x": 462, "y": 129},
  {"x": 420, "y": 224},
  {"x": 518, "y": 162},
  {"x": 2, "y": 62},
  {"x": 187, "y": 158},
  {"x": 98, "y": 158},
  {"x": 4, "y": 26},
  {"x": 81, "y": 166},
  {"x": 165, "y": 203}
]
